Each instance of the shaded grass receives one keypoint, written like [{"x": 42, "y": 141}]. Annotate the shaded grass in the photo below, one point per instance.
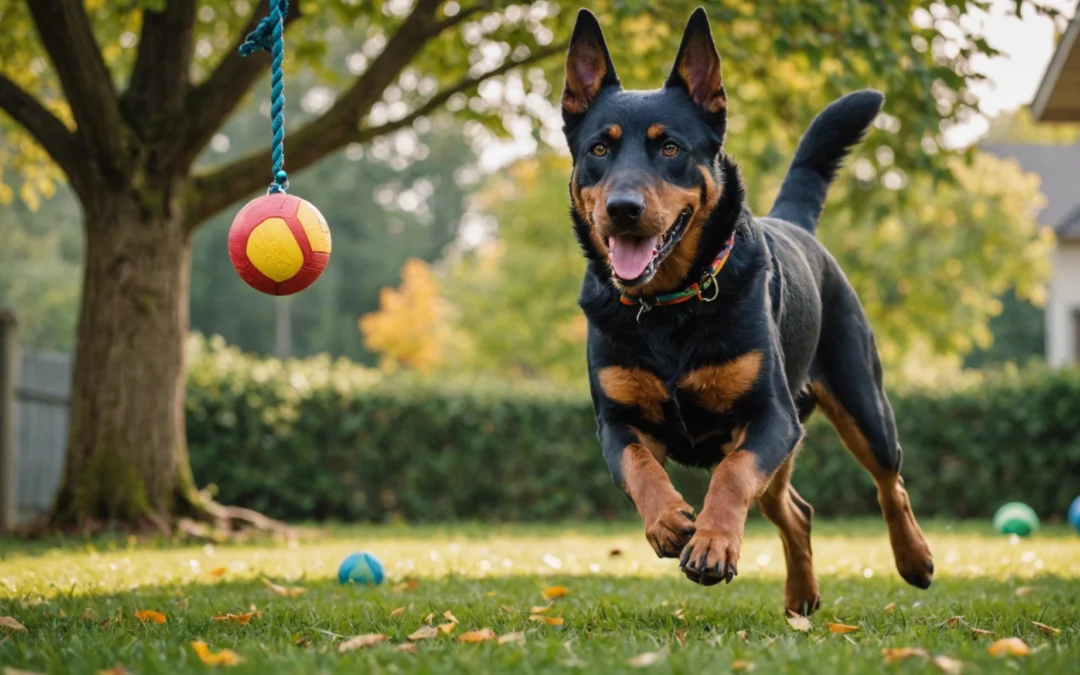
[{"x": 618, "y": 606}]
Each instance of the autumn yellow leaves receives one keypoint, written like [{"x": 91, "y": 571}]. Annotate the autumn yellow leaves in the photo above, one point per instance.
[{"x": 448, "y": 623}]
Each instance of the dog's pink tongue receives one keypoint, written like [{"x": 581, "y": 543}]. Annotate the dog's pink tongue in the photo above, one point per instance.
[{"x": 631, "y": 255}]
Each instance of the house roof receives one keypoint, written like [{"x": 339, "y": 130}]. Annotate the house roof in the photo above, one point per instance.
[
  {"x": 1058, "y": 96},
  {"x": 1058, "y": 167}
]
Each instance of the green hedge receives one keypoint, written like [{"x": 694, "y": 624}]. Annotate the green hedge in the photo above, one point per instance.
[{"x": 324, "y": 440}]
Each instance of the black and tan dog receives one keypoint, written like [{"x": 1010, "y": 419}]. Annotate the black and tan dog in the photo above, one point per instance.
[{"x": 713, "y": 334}]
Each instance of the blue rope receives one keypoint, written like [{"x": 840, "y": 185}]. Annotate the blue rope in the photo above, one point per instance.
[{"x": 268, "y": 36}]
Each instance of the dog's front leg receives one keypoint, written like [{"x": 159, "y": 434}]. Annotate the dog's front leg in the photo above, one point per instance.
[
  {"x": 636, "y": 462},
  {"x": 712, "y": 555}
]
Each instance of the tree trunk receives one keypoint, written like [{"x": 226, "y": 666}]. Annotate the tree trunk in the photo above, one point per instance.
[{"x": 127, "y": 459}]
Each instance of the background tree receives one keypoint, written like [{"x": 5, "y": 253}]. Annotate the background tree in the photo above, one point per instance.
[{"x": 121, "y": 99}]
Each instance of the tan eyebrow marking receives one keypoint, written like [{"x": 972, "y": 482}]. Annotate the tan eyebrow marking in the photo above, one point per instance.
[{"x": 655, "y": 132}]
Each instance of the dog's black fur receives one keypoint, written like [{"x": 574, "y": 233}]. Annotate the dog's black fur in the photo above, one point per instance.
[{"x": 703, "y": 380}]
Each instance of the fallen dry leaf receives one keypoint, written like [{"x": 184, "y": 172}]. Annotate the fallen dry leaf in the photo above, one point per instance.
[
  {"x": 145, "y": 615},
  {"x": 980, "y": 631},
  {"x": 798, "y": 621},
  {"x": 398, "y": 612},
  {"x": 678, "y": 614},
  {"x": 226, "y": 657},
  {"x": 242, "y": 618},
  {"x": 450, "y": 616},
  {"x": 429, "y": 617},
  {"x": 217, "y": 572},
  {"x": 741, "y": 666},
  {"x": 555, "y": 592},
  {"x": 508, "y": 609},
  {"x": 475, "y": 636},
  {"x": 425, "y": 633},
  {"x": 889, "y": 607},
  {"x": 88, "y": 614},
  {"x": 361, "y": 641},
  {"x": 947, "y": 664},
  {"x": 680, "y": 637},
  {"x": 1024, "y": 590},
  {"x": 953, "y": 621},
  {"x": 894, "y": 654},
  {"x": 647, "y": 659},
  {"x": 302, "y": 642},
  {"x": 287, "y": 591},
  {"x": 1010, "y": 646},
  {"x": 516, "y": 637},
  {"x": 540, "y": 610},
  {"x": 104, "y": 622},
  {"x": 1049, "y": 630},
  {"x": 742, "y": 635},
  {"x": 253, "y": 608},
  {"x": 841, "y": 628},
  {"x": 11, "y": 624},
  {"x": 406, "y": 648},
  {"x": 447, "y": 628},
  {"x": 409, "y": 585},
  {"x": 549, "y": 620}
]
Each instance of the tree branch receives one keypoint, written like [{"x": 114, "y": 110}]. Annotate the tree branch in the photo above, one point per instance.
[
  {"x": 221, "y": 187},
  {"x": 160, "y": 77},
  {"x": 49, "y": 132},
  {"x": 65, "y": 32},
  {"x": 209, "y": 104},
  {"x": 465, "y": 85}
]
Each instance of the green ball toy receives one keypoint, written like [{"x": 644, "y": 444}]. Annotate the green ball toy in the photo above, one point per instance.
[{"x": 1016, "y": 518}]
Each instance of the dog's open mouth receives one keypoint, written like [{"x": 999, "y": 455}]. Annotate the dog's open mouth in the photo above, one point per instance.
[{"x": 634, "y": 260}]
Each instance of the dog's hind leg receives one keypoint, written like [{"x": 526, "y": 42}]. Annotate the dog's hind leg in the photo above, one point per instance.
[
  {"x": 847, "y": 387},
  {"x": 782, "y": 505}
]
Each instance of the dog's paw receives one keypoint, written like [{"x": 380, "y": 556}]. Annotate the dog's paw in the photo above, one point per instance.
[
  {"x": 710, "y": 557},
  {"x": 670, "y": 529}
]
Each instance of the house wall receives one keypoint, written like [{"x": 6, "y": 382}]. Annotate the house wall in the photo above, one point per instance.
[{"x": 1064, "y": 304}]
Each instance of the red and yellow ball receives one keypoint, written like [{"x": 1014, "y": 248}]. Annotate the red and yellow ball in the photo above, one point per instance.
[{"x": 279, "y": 244}]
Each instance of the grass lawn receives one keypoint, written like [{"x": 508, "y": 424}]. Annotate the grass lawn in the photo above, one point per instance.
[{"x": 617, "y": 605}]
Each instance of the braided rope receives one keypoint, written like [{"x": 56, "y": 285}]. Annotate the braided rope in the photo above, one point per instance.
[{"x": 268, "y": 36}]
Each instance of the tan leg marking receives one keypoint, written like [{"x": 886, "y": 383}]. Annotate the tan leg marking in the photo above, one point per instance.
[
  {"x": 914, "y": 560},
  {"x": 791, "y": 515}
]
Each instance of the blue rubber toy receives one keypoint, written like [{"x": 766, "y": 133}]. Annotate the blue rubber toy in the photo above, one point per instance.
[
  {"x": 363, "y": 569},
  {"x": 1074, "y": 514}
]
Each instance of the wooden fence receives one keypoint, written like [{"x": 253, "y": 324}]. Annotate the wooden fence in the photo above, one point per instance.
[{"x": 34, "y": 395}]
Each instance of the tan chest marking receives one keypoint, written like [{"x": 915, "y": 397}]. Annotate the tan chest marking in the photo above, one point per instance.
[
  {"x": 717, "y": 388},
  {"x": 635, "y": 387}
]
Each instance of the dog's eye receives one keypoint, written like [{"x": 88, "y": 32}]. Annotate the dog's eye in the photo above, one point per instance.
[
  {"x": 599, "y": 150},
  {"x": 669, "y": 149}
]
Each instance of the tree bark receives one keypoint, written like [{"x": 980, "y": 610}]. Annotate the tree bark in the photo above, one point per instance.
[{"x": 127, "y": 454}]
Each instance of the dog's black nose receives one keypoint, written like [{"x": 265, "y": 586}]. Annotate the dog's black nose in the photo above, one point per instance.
[{"x": 624, "y": 208}]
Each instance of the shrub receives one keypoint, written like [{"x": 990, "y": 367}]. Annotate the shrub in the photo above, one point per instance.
[{"x": 316, "y": 439}]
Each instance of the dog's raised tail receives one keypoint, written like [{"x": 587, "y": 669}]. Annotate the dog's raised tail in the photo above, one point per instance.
[{"x": 821, "y": 150}]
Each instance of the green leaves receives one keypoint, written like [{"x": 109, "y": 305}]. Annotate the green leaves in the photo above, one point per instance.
[{"x": 317, "y": 439}]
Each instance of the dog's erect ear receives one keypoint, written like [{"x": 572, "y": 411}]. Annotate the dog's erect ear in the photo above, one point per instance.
[
  {"x": 588, "y": 65},
  {"x": 697, "y": 66}
]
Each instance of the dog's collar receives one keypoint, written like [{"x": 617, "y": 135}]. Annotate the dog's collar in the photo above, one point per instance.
[{"x": 707, "y": 281}]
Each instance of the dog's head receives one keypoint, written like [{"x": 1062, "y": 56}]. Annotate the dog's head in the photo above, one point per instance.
[{"x": 646, "y": 173}]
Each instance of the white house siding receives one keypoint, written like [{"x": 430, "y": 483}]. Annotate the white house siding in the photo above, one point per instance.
[{"x": 1064, "y": 304}]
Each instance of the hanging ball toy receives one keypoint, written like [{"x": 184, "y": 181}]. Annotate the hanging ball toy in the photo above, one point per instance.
[
  {"x": 1016, "y": 518},
  {"x": 363, "y": 569},
  {"x": 278, "y": 243}
]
